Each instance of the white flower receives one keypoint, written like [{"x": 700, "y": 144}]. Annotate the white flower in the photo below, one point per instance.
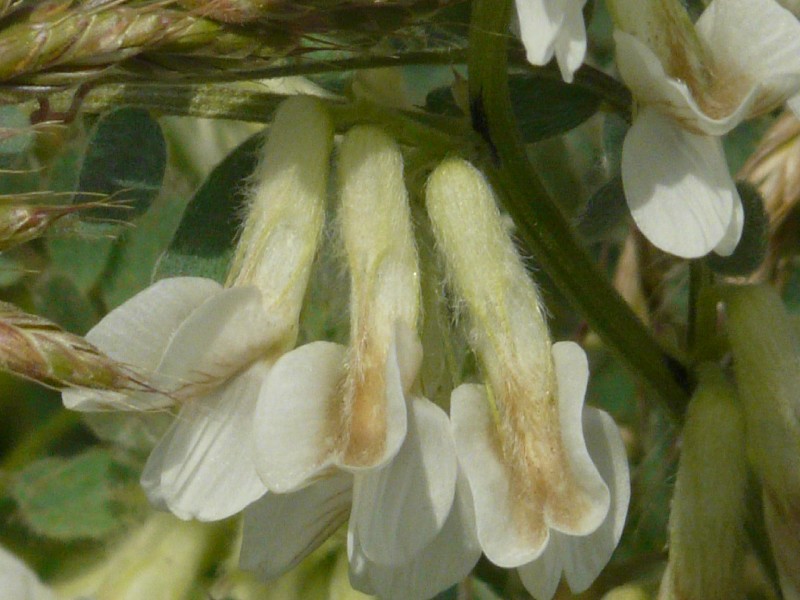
[
  {"x": 546, "y": 501},
  {"x": 210, "y": 347},
  {"x": 19, "y": 582},
  {"x": 692, "y": 84},
  {"x": 553, "y": 27},
  {"x": 337, "y": 425}
]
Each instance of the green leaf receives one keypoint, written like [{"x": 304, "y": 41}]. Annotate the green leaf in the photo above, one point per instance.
[
  {"x": 752, "y": 246},
  {"x": 56, "y": 297},
  {"x": 604, "y": 211},
  {"x": 83, "y": 255},
  {"x": 548, "y": 107},
  {"x": 544, "y": 107},
  {"x": 126, "y": 156},
  {"x": 130, "y": 268},
  {"x": 74, "y": 498},
  {"x": 204, "y": 243}
]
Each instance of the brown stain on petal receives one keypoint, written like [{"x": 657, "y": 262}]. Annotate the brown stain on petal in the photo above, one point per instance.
[
  {"x": 364, "y": 423},
  {"x": 542, "y": 480}
]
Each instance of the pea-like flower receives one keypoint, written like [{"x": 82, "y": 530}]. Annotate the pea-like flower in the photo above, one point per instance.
[
  {"x": 692, "y": 84},
  {"x": 210, "y": 347},
  {"x": 549, "y": 477}
]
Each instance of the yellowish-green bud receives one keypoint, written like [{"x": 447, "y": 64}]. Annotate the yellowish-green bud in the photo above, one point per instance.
[
  {"x": 287, "y": 207},
  {"x": 162, "y": 559},
  {"x": 706, "y": 553},
  {"x": 510, "y": 337},
  {"x": 507, "y": 327},
  {"x": 626, "y": 592},
  {"x": 767, "y": 362}
]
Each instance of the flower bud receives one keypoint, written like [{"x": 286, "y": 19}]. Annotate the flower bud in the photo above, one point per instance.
[
  {"x": 161, "y": 559},
  {"x": 767, "y": 362},
  {"x": 707, "y": 536},
  {"x": 287, "y": 208},
  {"x": 384, "y": 279},
  {"x": 533, "y": 427}
]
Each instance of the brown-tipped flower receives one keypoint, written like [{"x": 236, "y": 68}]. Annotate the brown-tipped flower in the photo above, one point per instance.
[
  {"x": 39, "y": 350},
  {"x": 774, "y": 168}
]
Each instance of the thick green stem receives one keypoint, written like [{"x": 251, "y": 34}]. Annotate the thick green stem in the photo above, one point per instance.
[{"x": 542, "y": 226}]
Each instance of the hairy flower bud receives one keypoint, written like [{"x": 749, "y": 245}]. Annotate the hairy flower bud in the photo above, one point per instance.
[
  {"x": 766, "y": 354},
  {"x": 708, "y": 509}
]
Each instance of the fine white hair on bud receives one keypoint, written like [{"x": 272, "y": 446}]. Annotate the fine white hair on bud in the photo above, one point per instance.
[
  {"x": 384, "y": 274},
  {"x": 520, "y": 437},
  {"x": 508, "y": 327},
  {"x": 286, "y": 209}
]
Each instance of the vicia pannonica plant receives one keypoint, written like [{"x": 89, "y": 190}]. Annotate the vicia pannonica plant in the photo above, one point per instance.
[{"x": 407, "y": 300}]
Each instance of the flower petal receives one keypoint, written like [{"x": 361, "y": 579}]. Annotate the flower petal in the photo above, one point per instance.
[
  {"x": 570, "y": 45},
  {"x": 402, "y": 364},
  {"x": 539, "y": 24},
  {"x": 505, "y": 541},
  {"x": 772, "y": 61},
  {"x": 542, "y": 576},
  {"x": 202, "y": 467},
  {"x": 448, "y": 559},
  {"x": 296, "y": 421},
  {"x": 137, "y": 333},
  {"x": 226, "y": 333},
  {"x": 644, "y": 74},
  {"x": 572, "y": 375},
  {"x": 280, "y": 530},
  {"x": 18, "y": 581},
  {"x": 733, "y": 233},
  {"x": 677, "y": 185},
  {"x": 400, "y": 508},
  {"x": 584, "y": 557}
]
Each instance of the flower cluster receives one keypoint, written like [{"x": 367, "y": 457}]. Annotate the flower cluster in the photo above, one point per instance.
[{"x": 302, "y": 439}]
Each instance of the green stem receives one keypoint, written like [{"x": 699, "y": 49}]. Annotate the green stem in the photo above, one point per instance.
[
  {"x": 702, "y": 313},
  {"x": 541, "y": 224}
]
